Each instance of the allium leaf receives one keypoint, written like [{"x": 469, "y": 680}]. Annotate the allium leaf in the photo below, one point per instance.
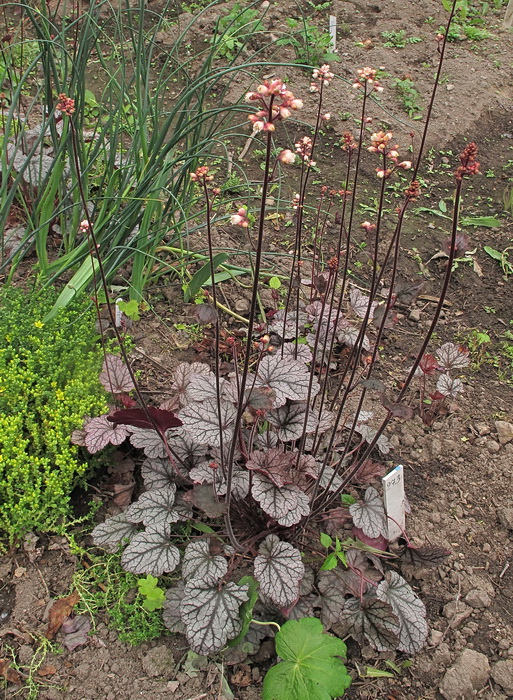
[
  {"x": 150, "y": 552},
  {"x": 111, "y": 533},
  {"x": 210, "y": 613},
  {"x": 115, "y": 376},
  {"x": 279, "y": 571},
  {"x": 449, "y": 386},
  {"x": 370, "y": 515},
  {"x": 289, "y": 419},
  {"x": 99, "y": 433},
  {"x": 287, "y": 505},
  {"x": 451, "y": 356},
  {"x": 409, "y": 609},
  {"x": 171, "y": 609},
  {"x": 154, "y": 508},
  {"x": 371, "y": 621},
  {"x": 202, "y": 421},
  {"x": 149, "y": 441},
  {"x": 360, "y": 303},
  {"x": 199, "y": 563},
  {"x": 311, "y": 667},
  {"x": 289, "y": 379}
]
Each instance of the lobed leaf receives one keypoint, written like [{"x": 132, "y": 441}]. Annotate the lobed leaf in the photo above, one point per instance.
[
  {"x": 451, "y": 356},
  {"x": 115, "y": 376},
  {"x": 149, "y": 441},
  {"x": 279, "y": 571},
  {"x": 288, "y": 378},
  {"x": 100, "y": 432},
  {"x": 199, "y": 563},
  {"x": 113, "y": 532},
  {"x": 210, "y": 613},
  {"x": 370, "y": 515},
  {"x": 360, "y": 303},
  {"x": 150, "y": 552},
  {"x": 408, "y": 608},
  {"x": 287, "y": 505},
  {"x": 154, "y": 508},
  {"x": 371, "y": 621},
  {"x": 275, "y": 464},
  {"x": 289, "y": 420},
  {"x": 449, "y": 386},
  {"x": 203, "y": 424},
  {"x": 171, "y": 609},
  {"x": 183, "y": 373}
]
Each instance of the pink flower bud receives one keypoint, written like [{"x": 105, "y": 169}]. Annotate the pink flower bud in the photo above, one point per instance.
[{"x": 286, "y": 156}]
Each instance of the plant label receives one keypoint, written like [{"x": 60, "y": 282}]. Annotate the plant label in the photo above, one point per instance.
[
  {"x": 333, "y": 32},
  {"x": 393, "y": 493},
  {"x": 119, "y": 313}
]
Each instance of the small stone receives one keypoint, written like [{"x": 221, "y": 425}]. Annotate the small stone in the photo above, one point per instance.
[
  {"x": 435, "y": 637},
  {"x": 450, "y": 87},
  {"x": 456, "y": 612},
  {"x": 502, "y": 674},
  {"x": 414, "y": 315},
  {"x": 483, "y": 429},
  {"x": 504, "y": 431},
  {"x": 468, "y": 675},
  {"x": 159, "y": 662},
  {"x": 492, "y": 446},
  {"x": 505, "y": 516},
  {"x": 478, "y": 599},
  {"x": 487, "y": 547}
]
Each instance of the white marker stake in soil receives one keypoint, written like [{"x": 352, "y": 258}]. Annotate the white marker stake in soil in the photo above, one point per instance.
[
  {"x": 119, "y": 313},
  {"x": 333, "y": 32},
  {"x": 393, "y": 492}
]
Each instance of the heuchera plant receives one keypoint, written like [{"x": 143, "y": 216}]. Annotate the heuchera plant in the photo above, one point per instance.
[{"x": 256, "y": 457}]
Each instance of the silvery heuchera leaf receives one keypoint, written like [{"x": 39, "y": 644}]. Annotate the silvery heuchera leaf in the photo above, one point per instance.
[
  {"x": 360, "y": 303},
  {"x": 348, "y": 335},
  {"x": 368, "y": 434},
  {"x": 203, "y": 386},
  {"x": 371, "y": 621},
  {"x": 199, "y": 563},
  {"x": 149, "y": 441},
  {"x": 202, "y": 496},
  {"x": 203, "y": 424},
  {"x": 289, "y": 420},
  {"x": 294, "y": 322},
  {"x": 205, "y": 473},
  {"x": 370, "y": 515},
  {"x": 304, "y": 607},
  {"x": 171, "y": 609},
  {"x": 183, "y": 373},
  {"x": 333, "y": 588},
  {"x": 449, "y": 386},
  {"x": 240, "y": 484},
  {"x": 279, "y": 570},
  {"x": 115, "y": 376},
  {"x": 329, "y": 478},
  {"x": 451, "y": 356},
  {"x": 186, "y": 448},
  {"x": 154, "y": 508},
  {"x": 110, "y": 534},
  {"x": 100, "y": 432},
  {"x": 275, "y": 464},
  {"x": 297, "y": 351},
  {"x": 210, "y": 613},
  {"x": 409, "y": 609},
  {"x": 150, "y": 552},
  {"x": 288, "y": 378},
  {"x": 307, "y": 582},
  {"x": 287, "y": 505},
  {"x": 157, "y": 473},
  {"x": 265, "y": 441}
]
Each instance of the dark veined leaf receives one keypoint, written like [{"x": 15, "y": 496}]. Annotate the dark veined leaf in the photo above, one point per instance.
[
  {"x": 311, "y": 668},
  {"x": 333, "y": 586},
  {"x": 279, "y": 571},
  {"x": 115, "y": 376},
  {"x": 275, "y": 464},
  {"x": 451, "y": 356},
  {"x": 449, "y": 386},
  {"x": 368, "y": 434},
  {"x": 261, "y": 398},
  {"x": 287, "y": 505},
  {"x": 186, "y": 448},
  {"x": 183, "y": 373},
  {"x": 370, "y": 515},
  {"x": 428, "y": 555},
  {"x": 206, "y": 313},
  {"x": 150, "y": 552},
  {"x": 303, "y": 607},
  {"x": 139, "y": 418},
  {"x": 428, "y": 364},
  {"x": 157, "y": 473},
  {"x": 297, "y": 351},
  {"x": 199, "y": 563},
  {"x": 210, "y": 613},
  {"x": 149, "y": 441},
  {"x": 154, "y": 508},
  {"x": 348, "y": 335},
  {"x": 409, "y": 609},
  {"x": 289, "y": 420},
  {"x": 202, "y": 387},
  {"x": 371, "y": 621},
  {"x": 307, "y": 582},
  {"x": 203, "y": 497},
  {"x": 398, "y": 410},
  {"x": 370, "y": 471},
  {"x": 360, "y": 303},
  {"x": 113, "y": 532},
  {"x": 171, "y": 609},
  {"x": 294, "y": 321},
  {"x": 99, "y": 433},
  {"x": 287, "y": 378},
  {"x": 202, "y": 421}
]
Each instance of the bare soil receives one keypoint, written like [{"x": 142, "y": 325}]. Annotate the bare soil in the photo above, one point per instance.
[{"x": 458, "y": 472}]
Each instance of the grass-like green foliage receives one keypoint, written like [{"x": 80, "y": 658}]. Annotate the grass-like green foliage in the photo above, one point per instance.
[
  {"x": 106, "y": 588},
  {"x": 48, "y": 382}
]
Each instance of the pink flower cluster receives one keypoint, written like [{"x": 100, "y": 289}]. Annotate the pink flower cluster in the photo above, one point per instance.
[
  {"x": 240, "y": 218},
  {"x": 469, "y": 165},
  {"x": 304, "y": 150},
  {"x": 201, "y": 174},
  {"x": 65, "y": 104},
  {"x": 367, "y": 76},
  {"x": 270, "y": 112},
  {"x": 381, "y": 144},
  {"x": 321, "y": 76}
]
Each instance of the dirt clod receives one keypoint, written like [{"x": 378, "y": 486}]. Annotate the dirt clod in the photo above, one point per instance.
[{"x": 468, "y": 675}]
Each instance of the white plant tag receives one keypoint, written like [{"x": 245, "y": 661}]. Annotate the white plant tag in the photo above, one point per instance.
[
  {"x": 393, "y": 493},
  {"x": 333, "y": 32},
  {"x": 119, "y": 314}
]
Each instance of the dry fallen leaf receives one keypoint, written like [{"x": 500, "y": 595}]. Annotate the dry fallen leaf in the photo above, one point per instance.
[
  {"x": 47, "y": 671},
  {"x": 10, "y": 674},
  {"x": 59, "y": 611}
]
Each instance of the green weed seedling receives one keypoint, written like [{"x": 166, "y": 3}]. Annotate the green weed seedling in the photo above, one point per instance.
[
  {"x": 311, "y": 44},
  {"x": 409, "y": 96},
  {"x": 312, "y": 665},
  {"x": 333, "y": 558},
  {"x": 154, "y": 596},
  {"x": 502, "y": 257},
  {"x": 398, "y": 39},
  {"x": 234, "y": 29}
]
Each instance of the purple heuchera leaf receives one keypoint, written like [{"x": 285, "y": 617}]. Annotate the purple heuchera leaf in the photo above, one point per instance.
[
  {"x": 372, "y": 621},
  {"x": 279, "y": 571},
  {"x": 275, "y": 464},
  {"x": 451, "y": 356},
  {"x": 171, "y": 609},
  {"x": 115, "y": 376},
  {"x": 100, "y": 432},
  {"x": 76, "y": 631},
  {"x": 138, "y": 418}
]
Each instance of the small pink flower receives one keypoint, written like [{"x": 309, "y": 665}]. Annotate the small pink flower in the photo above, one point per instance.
[
  {"x": 240, "y": 218},
  {"x": 287, "y": 156},
  {"x": 84, "y": 226},
  {"x": 405, "y": 165},
  {"x": 326, "y": 117}
]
